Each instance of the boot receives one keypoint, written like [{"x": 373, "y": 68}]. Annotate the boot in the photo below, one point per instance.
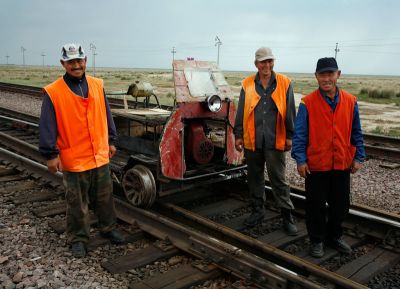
[
  {"x": 288, "y": 223},
  {"x": 114, "y": 236},
  {"x": 256, "y": 217},
  {"x": 78, "y": 249},
  {"x": 340, "y": 245},
  {"x": 317, "y": 249}
]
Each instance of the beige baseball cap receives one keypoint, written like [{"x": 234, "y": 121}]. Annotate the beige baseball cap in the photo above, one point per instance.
[{"x": 264, "y": 53}]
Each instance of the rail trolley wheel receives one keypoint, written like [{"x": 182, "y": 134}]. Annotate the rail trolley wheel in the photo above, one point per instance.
[{"x": 139, "y": 186}]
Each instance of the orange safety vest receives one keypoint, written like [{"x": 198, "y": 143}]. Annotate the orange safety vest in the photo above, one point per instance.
[
  {"x": 251, "y": 100},
  {"x": 329, "y": 146},
  {"x": 81, "y": 125}
]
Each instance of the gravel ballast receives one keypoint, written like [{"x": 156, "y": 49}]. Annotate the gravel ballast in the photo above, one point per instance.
[{"x": 32, "y": 255}]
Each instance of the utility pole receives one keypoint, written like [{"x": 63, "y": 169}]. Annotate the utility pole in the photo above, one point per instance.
[
  {"x": 43, "y": 55},
  {"x": 173, "y": 51},
  {"x": 7, "y": 56},
  {"x": 218, "y": 43},
  {"x": 336, "y": 49},
  {"x": 93, "y": 48},
  {"x": 23, "y": 55}
]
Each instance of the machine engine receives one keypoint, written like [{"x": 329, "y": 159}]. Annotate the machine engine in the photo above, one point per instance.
[{"x": 199, "y": 148}]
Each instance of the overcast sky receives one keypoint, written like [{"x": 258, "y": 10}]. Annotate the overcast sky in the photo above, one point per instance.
[{"x": 141, "y": 34}]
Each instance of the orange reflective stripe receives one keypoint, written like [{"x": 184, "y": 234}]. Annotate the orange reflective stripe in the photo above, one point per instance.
[
  {"x": 81, "y": 125},
  {"x": 251, "y": 100}
]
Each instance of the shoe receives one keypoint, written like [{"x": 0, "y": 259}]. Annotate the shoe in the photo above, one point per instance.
[
  {"x": 288, "y": 222},
  {"x": 317, "y": 249},
  {"x": 256, "y": 217},
  {"x": 340, "y": 245},
  {"x": 114, "y": 236},
  {"x": 78, "y": 249}
]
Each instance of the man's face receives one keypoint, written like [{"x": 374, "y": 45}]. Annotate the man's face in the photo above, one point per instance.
[
  {"x": 75, "y": 67},
  {"x": 327, "y": 80},
  {"x": 265, "y": 67}
]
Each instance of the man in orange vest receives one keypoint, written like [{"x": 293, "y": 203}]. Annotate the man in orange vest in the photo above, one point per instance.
[
  {"x": 327, "y": 146},
  {"x": 77, "y": 137},
  {"x": 264, "y": 128}
]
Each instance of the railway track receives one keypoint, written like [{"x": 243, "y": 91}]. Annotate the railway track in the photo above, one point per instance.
[
  {"x": 377, "y": 146},
  {"x": 23, "y": 89},
  {"x": 37, "y": 92},
  {"x": 207, "y": 224}
]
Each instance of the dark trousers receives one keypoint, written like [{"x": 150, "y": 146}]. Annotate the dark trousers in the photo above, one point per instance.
[
  {"x": 332, "y": 187},
  {"x": 276, "y": 169},
  {"x": 92, "y": 188}
]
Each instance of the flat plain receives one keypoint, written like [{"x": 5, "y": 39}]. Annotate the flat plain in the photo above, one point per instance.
[{"x": 380, "y": 111}]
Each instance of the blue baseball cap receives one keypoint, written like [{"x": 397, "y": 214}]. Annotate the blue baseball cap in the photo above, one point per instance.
[{"x": 326, "y": 64}]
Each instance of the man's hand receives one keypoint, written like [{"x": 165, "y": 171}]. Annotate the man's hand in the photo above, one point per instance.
[
  {"x": 239, "y": 144},
  {"x": 54, "y": 165},
  {"x": 355, "y": 166},
  {"x": 288, "y": 144},
  {"x": 303, "y": 170},
  {"x": 112, "y": 151}
]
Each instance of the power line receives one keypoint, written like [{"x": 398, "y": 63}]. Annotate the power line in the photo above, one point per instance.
[
  {"x": 7, "y": 56},
  {"x": 173, "y": 51},
  {"x": 93, "y": 48},
  {"x": 43, "y": 55},
  {"x": 218, "y": 43},
  {"x": 336, "y": 49},
  {"x": 23, "y": 55}
]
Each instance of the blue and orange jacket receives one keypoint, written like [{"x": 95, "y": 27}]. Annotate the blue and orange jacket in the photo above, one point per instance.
[{"x": 328, "y": 134}]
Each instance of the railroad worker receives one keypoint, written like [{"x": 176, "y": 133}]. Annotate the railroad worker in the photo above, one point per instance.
[
  {"x": 77, "y": 137},
  {"x": 263, "y": 128},
  {"x": 327, "y": 146}
]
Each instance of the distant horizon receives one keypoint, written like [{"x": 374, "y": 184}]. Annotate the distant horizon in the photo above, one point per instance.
[
  {"x": 89, "y": 68},
  {"x": 362, "y": 35}
]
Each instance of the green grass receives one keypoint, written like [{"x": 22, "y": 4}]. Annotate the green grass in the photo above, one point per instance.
[
  {"x": 366, "y": 97},
  {"x": 393, "y": 132}
]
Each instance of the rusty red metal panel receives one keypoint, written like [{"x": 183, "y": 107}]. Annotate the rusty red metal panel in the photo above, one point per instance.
[
  {"x": 197, "y": 110},
  {"x": 179, "y": 78},
  {"x": 205, "y": 64},
  {"x": 172, "y": 164},
  {"x": 234, "y": 157},
  {"x": 178, "y": 64},
  {"x": 182, "y": 93},
  {"x": 205, "y": 77}
]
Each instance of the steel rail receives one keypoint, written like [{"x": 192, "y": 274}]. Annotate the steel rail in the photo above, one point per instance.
[
  {"x": 21, "y": 146},
  {"x": 296, "y": 265},
  {"x": 381, "y": 139},
  {"x": 217, "y": 252},
  {"x": 241, "y": 263},
  {"x": 365, "y": 212},
  {"x": 388, "y": 153},
  {"x": 19, "y": 120},
  {"x": 31, "y": 166},
  {"x": 228, "y": 257},
  {"x": 20, "y": 88},
  {"x": 19, "y": 115}
]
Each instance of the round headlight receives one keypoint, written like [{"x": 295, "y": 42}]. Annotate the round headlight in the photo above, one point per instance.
[{"x": 214, "y": 103}]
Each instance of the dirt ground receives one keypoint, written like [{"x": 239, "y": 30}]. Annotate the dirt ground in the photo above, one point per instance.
[
  {"x": 374, "y": 116},
  {"x": 385, "y": 117}
]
